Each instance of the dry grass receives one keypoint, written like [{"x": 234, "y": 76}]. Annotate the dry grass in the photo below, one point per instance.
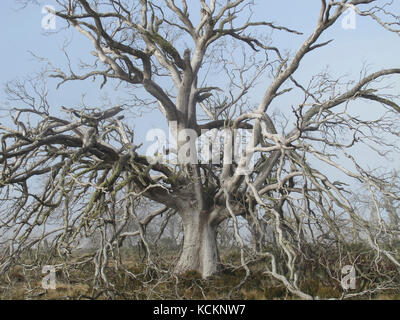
[{"x": 137, "y": 282}]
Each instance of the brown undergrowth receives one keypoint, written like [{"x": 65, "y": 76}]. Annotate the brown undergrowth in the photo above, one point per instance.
[{"x": 131, "y": 278}]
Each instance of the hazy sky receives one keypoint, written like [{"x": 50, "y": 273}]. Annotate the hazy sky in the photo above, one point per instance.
[{"x": 369, "y": 43}]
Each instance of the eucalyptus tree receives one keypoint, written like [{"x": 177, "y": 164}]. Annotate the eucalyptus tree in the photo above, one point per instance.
[{"x": 210, "y": 68}]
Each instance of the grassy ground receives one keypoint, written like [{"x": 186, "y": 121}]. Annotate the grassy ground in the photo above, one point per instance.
[{"x": 132, "y": 280}]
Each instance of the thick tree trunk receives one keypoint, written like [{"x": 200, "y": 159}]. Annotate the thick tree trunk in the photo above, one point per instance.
[{"x": 200, "y": 250}]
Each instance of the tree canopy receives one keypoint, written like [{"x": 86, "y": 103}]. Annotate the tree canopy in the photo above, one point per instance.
[{"x": 66, "y": 178}]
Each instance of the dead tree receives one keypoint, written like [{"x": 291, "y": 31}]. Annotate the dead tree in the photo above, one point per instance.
[{"x": 88, "y": 163}]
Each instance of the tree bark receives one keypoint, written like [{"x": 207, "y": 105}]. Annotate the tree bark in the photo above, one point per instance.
[{"x": 200, "y": 251}]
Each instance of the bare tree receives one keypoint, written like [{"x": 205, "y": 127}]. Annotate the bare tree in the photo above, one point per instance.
[{"x": 202, "y": 77}]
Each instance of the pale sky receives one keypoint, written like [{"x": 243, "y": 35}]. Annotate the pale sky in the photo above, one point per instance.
[{"x": 368, "y": 43}]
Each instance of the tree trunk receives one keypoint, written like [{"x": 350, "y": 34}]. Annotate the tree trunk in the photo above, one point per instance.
[{"x": 200, "y": 250}]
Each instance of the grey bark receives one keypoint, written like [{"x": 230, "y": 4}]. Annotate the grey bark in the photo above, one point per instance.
[{"x": 200, "y": 251}]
